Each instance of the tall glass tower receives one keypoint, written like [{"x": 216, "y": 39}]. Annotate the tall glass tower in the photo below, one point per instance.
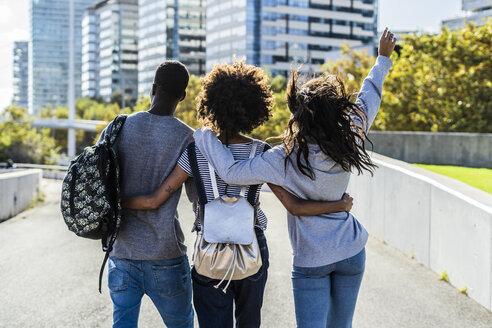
[
  {"x": 20, "y": 81},
  {"x": 477, "y": 12},
  {"x": 49, "y": 51},
  {"x": 110, "y": 49},
  {"x": 276, "y": 33},
  {"x": 233, "y": 29},
  {"x": 160, "y": 40}
]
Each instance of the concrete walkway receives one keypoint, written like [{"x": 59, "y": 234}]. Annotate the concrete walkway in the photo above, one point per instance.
[{"x": 48, "y": 278}]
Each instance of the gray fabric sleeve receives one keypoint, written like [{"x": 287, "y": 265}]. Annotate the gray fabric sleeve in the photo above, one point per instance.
[
  {"x": 264, "y": 168},
  {"x": 371, "y": 91}
]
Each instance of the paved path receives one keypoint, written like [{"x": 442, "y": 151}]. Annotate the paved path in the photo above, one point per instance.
[{"x": 48, "y": 278}]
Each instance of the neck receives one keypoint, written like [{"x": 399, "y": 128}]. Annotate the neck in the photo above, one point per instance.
[
  {"x": 163, "y": 107},
  {"x": 235, "y": 139}
]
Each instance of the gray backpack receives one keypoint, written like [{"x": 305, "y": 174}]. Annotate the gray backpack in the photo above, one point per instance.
[{"x": 90, "y": 199}]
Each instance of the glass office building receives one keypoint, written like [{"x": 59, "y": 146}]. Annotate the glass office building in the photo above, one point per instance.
[
  {"x": 233, "y": 29},
  {"x": 20, "y": 74},
  {"x": 276, "y": 33},
  {"x": 49, "y": 51},
  {"x": 90, "y": 58},
  {"x": 477, "y": 11},
  {"x": 110, "y": 50},
  {"x": 160, "y": 40}
]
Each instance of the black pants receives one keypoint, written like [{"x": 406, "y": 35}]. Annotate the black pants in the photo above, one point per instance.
[{"x": 214, "y": 308}]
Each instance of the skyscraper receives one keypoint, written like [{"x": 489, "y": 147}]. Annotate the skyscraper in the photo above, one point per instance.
[
  {"x": 49, "y": 51},
  {"x": 90, "y": 58},
  {"x": 476, "y": 12},
  {"x": 110, "y": 49},
  {"x": 276, "y": 33},
  {"x": 160, "y": 40},
  {"x": 20, "y": 76}
]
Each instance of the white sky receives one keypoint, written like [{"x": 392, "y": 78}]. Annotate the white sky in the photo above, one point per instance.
[{"x": 398, "y": 15}]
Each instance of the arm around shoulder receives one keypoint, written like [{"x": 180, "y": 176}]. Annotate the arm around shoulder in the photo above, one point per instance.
[
  {"x": 260, "y": 169},
  {"x": 301, "y": 207},
  {"x": 153, "y": 201}
]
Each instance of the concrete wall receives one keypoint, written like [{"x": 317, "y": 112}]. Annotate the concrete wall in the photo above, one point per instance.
[
  {"x": 18, "y": 189},
  {"x": 461, "y": 149},
  {"x": 55, "y": 175},
  {"x": 443, "y": 223}
]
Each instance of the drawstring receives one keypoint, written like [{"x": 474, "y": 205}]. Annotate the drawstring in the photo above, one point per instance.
[{"x": 233, "y": 265}]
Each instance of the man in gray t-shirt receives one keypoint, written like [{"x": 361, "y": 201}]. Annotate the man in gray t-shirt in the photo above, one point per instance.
[{"x": 149, "y": 255}]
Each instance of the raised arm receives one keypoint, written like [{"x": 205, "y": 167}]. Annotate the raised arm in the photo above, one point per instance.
[
  {"x": 152, "y": 201},
  {"x": 301, "y": 207},
  {"x": 265, "y": 168},
  {"x": 371, "y": 91}
]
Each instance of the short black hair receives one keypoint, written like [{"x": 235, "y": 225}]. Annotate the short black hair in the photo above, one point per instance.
[
  {"x": 171, "y": 77},
  {"x": 235, "y": 98}
]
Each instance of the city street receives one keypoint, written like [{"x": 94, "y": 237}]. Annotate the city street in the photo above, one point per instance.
[{"x": 49, "y": 277}]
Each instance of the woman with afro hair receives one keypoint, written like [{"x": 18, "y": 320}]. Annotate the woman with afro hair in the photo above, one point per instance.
[{"x": 234, "y": 100}]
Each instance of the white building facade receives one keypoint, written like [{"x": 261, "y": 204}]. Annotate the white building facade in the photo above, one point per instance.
[
  {"x": 276, "y": 34},
  {"x": 110, "y": 50},
  {"x": 20, "y": 74},
  {"x": 160, "y": 40},
  {"x": 49, "y": 51},
  {"x": 476, "y": 11}
]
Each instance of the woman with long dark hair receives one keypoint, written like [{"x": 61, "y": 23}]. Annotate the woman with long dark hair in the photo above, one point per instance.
[{"x": 324, "y": 143}]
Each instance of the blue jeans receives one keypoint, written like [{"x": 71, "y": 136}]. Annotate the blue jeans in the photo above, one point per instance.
[
  {"x": 214, "y": 308},
  {"x": 167, "y": 283},
  {"x": 325, "y": 296}
]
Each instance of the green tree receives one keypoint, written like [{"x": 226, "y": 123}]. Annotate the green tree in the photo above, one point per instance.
[
  {"x": 276, "y": 125},
  {"x": 278, "y": 83},
  {"x": 442, "y": 83},
  {"x": 23, "y": 143},
  {"x": 186, "y": 110},
  {"x": 85, "y": 109},
  {"x": 439, "y": 82}
]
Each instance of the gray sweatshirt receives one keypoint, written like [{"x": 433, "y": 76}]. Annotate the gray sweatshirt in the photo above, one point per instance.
[
  {"x": 148, "y": 148},
  {"x": 316, "y": 240}
]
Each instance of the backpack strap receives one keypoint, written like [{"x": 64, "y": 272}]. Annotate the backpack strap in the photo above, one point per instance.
[
  {"x": 116, "y": 128},
  {"x": 202, "y": 196},
  {"x": 108, "y": 240},
  {"x": 253, "y": 189},
  {"x": 213, "y": 178}
]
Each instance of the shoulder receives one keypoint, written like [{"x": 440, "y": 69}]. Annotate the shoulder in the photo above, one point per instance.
[
  {"x": 270, "y": 152},
  {"x": 183, "y": 126},
  {"x": 137, "y": 116}
]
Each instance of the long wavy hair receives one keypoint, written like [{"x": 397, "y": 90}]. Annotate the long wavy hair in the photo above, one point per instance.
[{"x": 324, "y": 113}]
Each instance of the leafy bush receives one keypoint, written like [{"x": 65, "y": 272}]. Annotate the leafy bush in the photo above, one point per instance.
[
  {"x": 439, "y": 82},
  {"x": 23, "y": 143}
]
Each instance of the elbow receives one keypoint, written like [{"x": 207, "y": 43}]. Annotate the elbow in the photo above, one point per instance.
[
  {"x": 230, "y": 178},
  {"x": 294, "y": 212},
  {"x": 151, "y": 204},
  {"x": 294, "y": 209}
]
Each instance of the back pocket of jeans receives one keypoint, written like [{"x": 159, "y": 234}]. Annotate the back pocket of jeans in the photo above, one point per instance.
[
  {"x": 171, "y": 280},
  {"x": 117, "y": 278}
]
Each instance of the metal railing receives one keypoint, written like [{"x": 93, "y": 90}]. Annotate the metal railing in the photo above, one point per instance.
[
  {"x": 36, "y": 166},
  {"x": 56, "y": 172}
]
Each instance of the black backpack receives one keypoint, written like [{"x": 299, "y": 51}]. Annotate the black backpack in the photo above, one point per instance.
[{"x": 90, "y": 199}]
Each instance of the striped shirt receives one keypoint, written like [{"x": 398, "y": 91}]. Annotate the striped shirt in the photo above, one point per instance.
[{"x": 239, "y": 151}]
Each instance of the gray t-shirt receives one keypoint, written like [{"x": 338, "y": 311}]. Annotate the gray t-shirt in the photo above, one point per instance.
[{"x": 148, "y": 149}]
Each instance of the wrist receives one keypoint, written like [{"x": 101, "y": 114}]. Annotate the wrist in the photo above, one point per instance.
[{"x": 341, "y": 206}]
